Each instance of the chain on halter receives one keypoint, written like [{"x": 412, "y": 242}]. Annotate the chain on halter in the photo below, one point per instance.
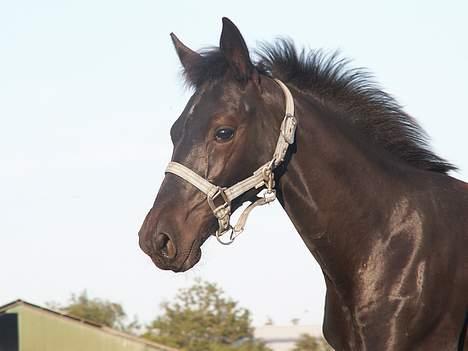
[{"x": 262, "y": 177}]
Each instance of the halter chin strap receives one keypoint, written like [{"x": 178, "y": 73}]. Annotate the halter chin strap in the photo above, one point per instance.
[{"x": 220, "y": 199}]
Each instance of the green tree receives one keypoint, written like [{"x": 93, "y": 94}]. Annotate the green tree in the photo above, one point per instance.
[
  {"x": 97, "y": 310},
  {"x": 202, "y": 318},
  {"x": 310, "y": 343}
]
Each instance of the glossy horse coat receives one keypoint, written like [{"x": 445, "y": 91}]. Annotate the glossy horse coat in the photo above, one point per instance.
[{"x": 372, "y": 202}]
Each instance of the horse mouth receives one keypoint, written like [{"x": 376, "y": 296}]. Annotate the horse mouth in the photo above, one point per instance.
[
  {"x": 195, "y": 253},
  {"x": 192, "y": 259},
  {"x": 189, "y": 260}
]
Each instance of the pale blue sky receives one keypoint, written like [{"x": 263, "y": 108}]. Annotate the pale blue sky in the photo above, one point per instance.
[{"x": 88, "y": 92}]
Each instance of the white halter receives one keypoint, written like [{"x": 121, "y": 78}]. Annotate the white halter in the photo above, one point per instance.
[{"x": 263, "y": 176}]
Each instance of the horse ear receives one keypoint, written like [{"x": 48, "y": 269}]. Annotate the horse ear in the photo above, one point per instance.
[
  {"x": 187, "y": 56},
  {"x": 235, "y": 50}
]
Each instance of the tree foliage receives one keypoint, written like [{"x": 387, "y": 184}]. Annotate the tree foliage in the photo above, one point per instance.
[
  {"x": 310, "y": 343},
  {"x": 202, "y": 318},
  {"x": 97, "y": 310}
]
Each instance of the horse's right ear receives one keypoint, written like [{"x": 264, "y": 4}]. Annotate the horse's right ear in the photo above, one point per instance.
[
  {"x": 233, "y": 45},
  {"x": 187, "y": 56}
]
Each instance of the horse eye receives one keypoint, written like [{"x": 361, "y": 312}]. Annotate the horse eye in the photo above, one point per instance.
[{"x": 224, "y": 134}]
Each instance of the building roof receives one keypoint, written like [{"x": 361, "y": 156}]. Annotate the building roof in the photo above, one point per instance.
[
  {"x": 286, "y": 332},
  {"x": 285, "y": 337},
  {"x": 82, "y": 321}
]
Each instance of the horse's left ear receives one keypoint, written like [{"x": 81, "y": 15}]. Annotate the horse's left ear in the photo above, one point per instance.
[
  {"x": 234, "y": 48},
  {"x": 187, "y": 56}
]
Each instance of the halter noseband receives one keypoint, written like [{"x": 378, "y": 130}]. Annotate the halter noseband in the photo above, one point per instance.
[{"x": 262, "y": 177}]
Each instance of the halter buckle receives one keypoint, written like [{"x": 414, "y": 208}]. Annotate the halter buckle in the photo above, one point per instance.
[
  {"x": 288, "y": 128},
  {"x": 222, "y": 210},
  {"x": 269, "y": 177}
]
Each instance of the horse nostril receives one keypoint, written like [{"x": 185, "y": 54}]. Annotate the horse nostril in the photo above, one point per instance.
[{"x": 164, "y": 244}]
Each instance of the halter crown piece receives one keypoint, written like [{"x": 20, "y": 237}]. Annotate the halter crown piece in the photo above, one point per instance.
[{"x": 262, "y": 177}]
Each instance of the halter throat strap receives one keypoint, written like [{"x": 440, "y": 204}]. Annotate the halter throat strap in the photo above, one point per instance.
[{"x": 262, "y": 177}]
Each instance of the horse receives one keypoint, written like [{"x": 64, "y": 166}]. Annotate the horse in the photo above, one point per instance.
[{"x": 373, "y": 203}]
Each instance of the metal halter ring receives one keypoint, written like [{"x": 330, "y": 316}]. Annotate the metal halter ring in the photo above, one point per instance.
[
  {"x": 232, "y": 236},
  {"x": 269, "y": 196}
]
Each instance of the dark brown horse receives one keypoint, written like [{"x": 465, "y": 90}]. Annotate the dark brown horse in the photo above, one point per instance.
[{"x": 372, "y": 202}]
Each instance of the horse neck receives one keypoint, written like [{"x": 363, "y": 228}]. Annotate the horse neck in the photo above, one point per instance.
[{"x": 334, "y": 190}]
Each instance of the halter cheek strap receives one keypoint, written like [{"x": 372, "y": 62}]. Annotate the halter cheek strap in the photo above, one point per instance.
[{"x": 262, "y": 177}]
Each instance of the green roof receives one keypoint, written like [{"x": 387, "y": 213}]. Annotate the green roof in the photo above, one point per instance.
[{"x": 42, "y": 329}]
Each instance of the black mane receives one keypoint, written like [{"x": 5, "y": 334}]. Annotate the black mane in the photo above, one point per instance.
[{"x": 352, "y": 91}]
